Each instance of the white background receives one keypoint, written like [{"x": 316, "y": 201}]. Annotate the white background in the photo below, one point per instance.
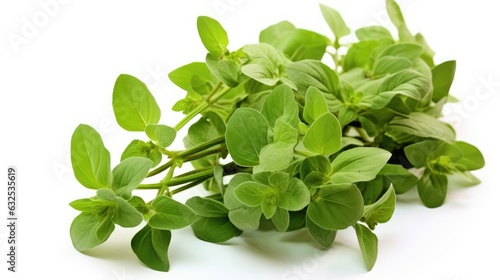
[{"x": 62, "y": 74}]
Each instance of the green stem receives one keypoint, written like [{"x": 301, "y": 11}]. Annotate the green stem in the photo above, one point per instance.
[
  {"x": 188, "y": 186},
  {"x": 194, "y": 153},
  {"x": 193, "y": 176},
  {"x": 205, "y": 104}
]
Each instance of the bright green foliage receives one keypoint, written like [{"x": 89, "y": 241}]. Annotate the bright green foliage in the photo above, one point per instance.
[{"x": 307, "y": 144}]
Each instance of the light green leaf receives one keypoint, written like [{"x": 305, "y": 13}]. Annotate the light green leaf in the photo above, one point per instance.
[
  {"x": 398, "y": 20},
  {"x": 373, "y": 33},
  {"x": 89, "y": 230},
  {"x": 252, "y": 193},
  {"x": 315, "y": 105},
  {"x": 335, "y": 22},
  {"x": 324, "y": 237},
  {"x": 368, "y": 243},
  {"x": 269, "y": 206},
  {"x": 246, "y": 135},
  {"x": 471, "y": 158},
  {"x": 138, "y": 148},
  {"x": 128, "y": 174},
  {"x": 358, "y": 164},
  {"x": 275, "y": 157},
  {"x": 170, "y": 214},
  {"x": 162, "y": 134},
  {"x": 318, "y": 164},
  {"x": 89, "y": 158},
  {"x": 420, "y": 125},
  {"x": 359, "y": 55},
  {"x": 297, "y": 44},
  {"x": 307, "y": 73},
  {"x": 381, "y": 211},
  {"x": 242, "y": 216},
  {"x": 432, "y": 189},
  {"x": 336, "y": 207},
  {"x": 133, "y": 104},
  {"x": 184, "y": 75},
  {"x": 213, "y": 35},
  {"x": 126, "y": 215},
  {"x": 281, "y": 105},
  {"x": 150, "y": 245},
  {"x": 390, "y": 64},
  {"x": 419, "y": 153},
  {"x": 281, "y": 219},
  {"x": 296, "y": 196},
  {"x": 442, "y": 78},
  {"x": 324, "y": 137},
  {"x": 225, "y": 69},
  {"x": 405, "y": 50},
  {"x": 96, "y": 204}
]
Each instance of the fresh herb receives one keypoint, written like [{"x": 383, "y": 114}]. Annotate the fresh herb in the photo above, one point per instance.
[{"x": 314, "y": 147}]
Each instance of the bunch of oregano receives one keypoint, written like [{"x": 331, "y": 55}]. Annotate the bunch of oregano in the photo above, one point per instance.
[{"x": 314, "y": 146}]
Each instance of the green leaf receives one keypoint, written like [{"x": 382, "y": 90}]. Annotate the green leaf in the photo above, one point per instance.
[
  {"x": 368, "y": 243},
  {"x": 390, "y": 64},
  {"x": 89, "y": 158},
  {"x": 296, "y": 196},
  {"x": 405, "y": 50},
  {"x": 335, "y": 22},
  {"x": 225, "y": 69},
  {"x": 266, "y": 63},
  {"x": 214, "y": 230},
  {"x": 472, "y": 158},
  {"x": 324, "y": 237},
  {"x": 213, "y": 35},
  {"x": 281, "y": 105},
  {"x": 420, "y": 125},
  {"x": 318, "y": 164},
  {"x": 275, "y": 157},
  {"x": 281, "y": 219},
  {"x": 252, "y": 193},
  {"x": 381, "y": 211},
  {"x": 432, "y": 189},
  {"x": 315, "y": 105},
  {"x": 133, "y": 104},
  {"x": 373, "y": 33},
  {"x": 95, "y": 204},
  {"x": 324, "y": 137},
  {"x": 151, "y": 247},
  {"x": 269, "y": 206},
  {"x": 307, "y": 73},
  {"x": 89, "y": 230},
  {"x": 138, "y": 148},
  {"x": 128, "y": 174},
  {"x": 401, "y": 179},
  {"x": 336, "y": 207},
  {"x": 242, "y": 216},
  {"x": 358, "y": 164},
  {"x": 183, "y": 76},
  {"x": 295, "y": 43},
  {"x": 206, "y": 207},
  {"x": 170, "y": 214},
  {"x": 126, "y": 215},
  {"x": 442, "y": 78},
  {"x": 359, "y": 55},
  {"x": 398, "y": 20},
  {"x": 246, "y": 135},
  {"x": 162, "y": 134}
]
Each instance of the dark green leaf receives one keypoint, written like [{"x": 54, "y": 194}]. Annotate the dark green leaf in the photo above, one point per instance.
[
  {"x": 150, "y": 245},
  {"x": 206, "y": 207},
  {"x": 401, "y": 179},
  {"x": 324, "y": 237},
  {"x": 432, "y": 189},
  {"x": 214, "y": 230}
]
